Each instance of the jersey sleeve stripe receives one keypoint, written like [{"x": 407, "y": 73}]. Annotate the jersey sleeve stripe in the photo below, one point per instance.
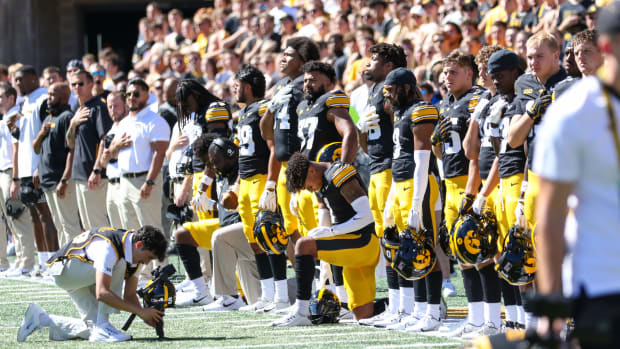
[
  {"x": 425, "y": 112},
  {"x": 343, "y": 174}
]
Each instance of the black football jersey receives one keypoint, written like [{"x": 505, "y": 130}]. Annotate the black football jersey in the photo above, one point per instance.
[
  {"x": 405, "y": 120},
  {"x": 563, "y": 86},
  {"x": 285, "y": 120},
  {"x": 485, "y": 131},
  {"x": 511, "y": 160},
  {"x": 378, "y": 140},
  {"x": 314, "y": 130},
  {"x": 455, "y": 163},
  {"x": 253, "y": 150},
  {"x": 216, "y": 111},
  {"x": 528, "y": 88},
  {"x": 336, "y": 175},
  {"x": 222, "y": 185}
]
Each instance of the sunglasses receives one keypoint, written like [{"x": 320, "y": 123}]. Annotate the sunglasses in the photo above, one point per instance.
[
  {"x": 132, "y": 94},
  {"x": 75, "y": 84},
  {"x": 100, "y": 73},
  {"x": 158, "y": 87},
  {"x": 469, "y": 8}
]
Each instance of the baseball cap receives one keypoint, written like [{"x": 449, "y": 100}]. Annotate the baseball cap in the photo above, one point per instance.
[
  {"x": 502, "y": 60},
  {"x": 428, "y": 2},
  {"x": 400, "y": 76},
  {"x": 417, "y": 10},
  {"x": 609, "y": 18},
  {"x": 75, "y": 63}
]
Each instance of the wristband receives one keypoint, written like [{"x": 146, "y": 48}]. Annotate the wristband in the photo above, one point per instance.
[
  {"x": 206, "y": 180},
  {"x": 270, "y": 185}
]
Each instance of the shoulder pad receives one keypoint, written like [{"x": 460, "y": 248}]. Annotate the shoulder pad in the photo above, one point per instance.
[
  {"x": 262, "y": 107},
  {"x": 337, "y": 99},
  {"x": 341, "y": 172},
  {"x": 424, "y": 112},
  {"x": 476, "y": 94},
  {"x": 217, "y": 111}
]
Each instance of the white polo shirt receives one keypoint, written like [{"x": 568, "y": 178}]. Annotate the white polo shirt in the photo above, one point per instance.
[
  {"x": 575, "y": 145},
  {"x": 7, "y": 141},
  {"x": 103, "y": 254},
  {"x": 144, "y": 128},
  {"x": 29, "y": 127}
]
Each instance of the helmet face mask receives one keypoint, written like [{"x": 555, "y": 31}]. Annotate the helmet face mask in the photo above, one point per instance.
[
  {"x": 324, "y": 307},
  {"x": 390, "y": 243},
  {"x": 269, "y": 232},
  {"x": 415, "y": 257},
  {"x": 517, "y": 263},
  {"x": 474, "y": 238}
]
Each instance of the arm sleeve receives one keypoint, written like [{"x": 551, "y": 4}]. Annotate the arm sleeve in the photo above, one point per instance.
[
  {"x": 362, "y": 218},
  {"x": 420, "y": 176}
]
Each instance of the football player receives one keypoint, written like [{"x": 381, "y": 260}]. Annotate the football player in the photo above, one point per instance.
[
  {"x": 460, "y": 72},
  {"x": 349, "y": 242},
  {"x": 279, "y": 129},
  {"x": 249, "y": 88},
  {"x": 375, "y": 127},
  {"x": 533, "y": 91},
  {"x": 415, "y": 191}
]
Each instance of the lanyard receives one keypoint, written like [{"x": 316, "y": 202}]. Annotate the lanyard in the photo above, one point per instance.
[{"x": 613, "y": 127}]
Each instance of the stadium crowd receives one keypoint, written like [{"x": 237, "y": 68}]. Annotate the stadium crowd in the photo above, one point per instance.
[{"x": 413, "y": 121}]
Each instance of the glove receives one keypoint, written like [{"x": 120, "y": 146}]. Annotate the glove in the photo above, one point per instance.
[
  {"x": 388, "y": 216},
  {"x": 321, "y": 232},
  {"x": 465, "y": 208},
  {"x": 520, "y": 215},
  {"x": 293, "y": 204},
  {"x": 281, "y": 98},
  {"x": 267, "y": 200},
  {"x": 479, "y": 204},
  {"x": 537, "y": 109},
  {"x": 202, "y": 203},
  {"x": 440, "y": 133},
  {"x": 413, "y": 221},
  {"x": 369, "y": 121},
  {"x": 497, "y": 110}
]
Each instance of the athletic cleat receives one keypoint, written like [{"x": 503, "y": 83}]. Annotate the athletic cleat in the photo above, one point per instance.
[
  {"x": 193, "y": 298},
  {"x": 259, "y": 305},
  {"x": 462, "y": 330},
  {"x": 294, "y": 319},
  {"x": 448, "y": 289},
  {"x": 225, "y": 303},
  {"x": 186, "y": 284},
  {"x": 390, "y": 320},
  {"x": 345, "y": 314},
  {"x": 371, "y": 320},
  {"x": 488, "y": 329},
  {"x": 17, "y": 273},
  {"x": 407, "y": 321},
  {"x": 426, "y": 324},
  {"x": 107, "y": 333},
  {"x": 31, "y": 321},
  {"x": 274, "y": 306},
  {"x": 285, "y": 311}
]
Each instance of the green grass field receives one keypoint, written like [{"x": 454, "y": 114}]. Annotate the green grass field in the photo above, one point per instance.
[{"x": 192, "y": 328}]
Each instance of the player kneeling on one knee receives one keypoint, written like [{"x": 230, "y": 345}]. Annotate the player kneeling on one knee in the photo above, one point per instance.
[
  {"x": 92, "y": 268},
  {"x": 349, "y": 241}
]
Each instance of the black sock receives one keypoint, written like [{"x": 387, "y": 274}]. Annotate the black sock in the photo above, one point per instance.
[
  {"x": 490, "y": 284},
  {"x": 525, "y": 301},
  {"x": 517, "y": 295},
  {"x": 434, "y": 281},
  {"x": 278, "y": 266},
  {"x": 392, "y": 278},
  {"x": 508, "y": 292},
  {"x": 304, "y": 271},
  {"x": 419, "y": 286},
  {"x": 402, "y": 282},
  {"x": 473, "y": 287},
  {"x": 263, "y": 266},
  {"x": 337, "y": 275},
  {"x": 191, "y": 260},
  {"x": 451, "y": 267}
]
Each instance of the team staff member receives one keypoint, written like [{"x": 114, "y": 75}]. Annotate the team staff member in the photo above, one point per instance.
[
  {"x": 375, "y": 128},
  {"x": 117, "y": 110},
  {"x": 8, "y": 147},
  {"x": 578, "y": 152},
  {"x": 253, "y": 150},
  {"x": 460, "y": 72},
  {"x": 416, "y": 191},
  {"x": 87, "y": 129},
  {"x": 349, "y": 242},
  {"x": 55, "y": 156},
  {"x": 92, "y": 268},
  {"x": 279, "y": 129}
]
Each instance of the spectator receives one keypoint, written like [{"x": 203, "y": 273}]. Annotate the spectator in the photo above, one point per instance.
[
  {"x": 98, "y": 73},
  {"x": 175, "y": 38}
]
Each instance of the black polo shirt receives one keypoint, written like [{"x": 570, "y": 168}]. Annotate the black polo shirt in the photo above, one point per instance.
[
  {"x": 87, "y": 138},
  {"x": 54, "y": 148}
]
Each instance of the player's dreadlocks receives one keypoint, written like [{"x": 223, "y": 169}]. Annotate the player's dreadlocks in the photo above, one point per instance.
[
  {"x": 191, "y": 87},
  {"x": 390, "y": 53},
  {"x": 296, "y": 172},
  {"x": 202, "y": 144}
]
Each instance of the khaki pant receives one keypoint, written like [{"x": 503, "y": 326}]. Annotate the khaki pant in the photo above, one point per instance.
[
  {"x": 114, "y": 202},
  {"x": 78, "y": 279},
  {"x": 63, "y": 213},
  {"x": 22, "y": 229},
  {"x": 232, "y": 252},
  {"x": 91, "y": 204},
  {"x": 137, "y": 212}
]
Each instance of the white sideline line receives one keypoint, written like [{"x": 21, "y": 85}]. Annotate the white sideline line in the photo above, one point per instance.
[
  {"x": 49, "y": 296},
  {"x": 314, "y": 343},
  {"x": 363, "y": 333},
  {"x": 21, "y": 293},
  {"x": 20, "y": 288},
  {"x": 413, "y": 345},
  {"x": 323, "y": 329},
  {"x": 28, "y": 302},
  {"x": 213, "y": 321},
  {"x": 187, "y": 312}
]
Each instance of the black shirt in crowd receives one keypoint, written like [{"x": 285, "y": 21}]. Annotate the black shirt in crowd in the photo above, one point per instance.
[
  {"x": 87, "y": 138},
  {"x": 54, "y": 149}
]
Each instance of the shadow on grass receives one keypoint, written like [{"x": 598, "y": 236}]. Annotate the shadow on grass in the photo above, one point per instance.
[{"x": 180, "y": 339}]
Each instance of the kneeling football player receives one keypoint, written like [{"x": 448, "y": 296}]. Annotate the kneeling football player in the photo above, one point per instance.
[{"x": 349, "y": 242}]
